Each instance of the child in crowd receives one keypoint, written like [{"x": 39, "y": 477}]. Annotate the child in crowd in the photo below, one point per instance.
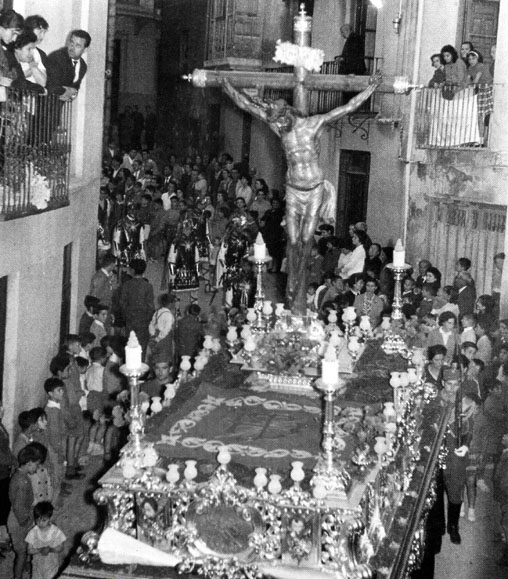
[
  {"x": 87, "y": 342},
  {"x": 468, "y": 322},
  {"x": 427, "y": 302},
  {"x": 468, "y": 349},
  {"x": 45, "y": 542},
  {"x": 42, "y": 487},
  {"x": 26, "y": 422},
  {"x": 311, "y": 294},
  {"x": 96, "y": 400},
  {"x": 87, "y": 317},
  {"x": 64, "y": 367},
  {"x": 56, "y": 430},
  {"x": 21, "y": 496},
  {"x": 41, "y": 435},
  {"x": 98, "y": 327},
  {"x": 82, "y": 364}
]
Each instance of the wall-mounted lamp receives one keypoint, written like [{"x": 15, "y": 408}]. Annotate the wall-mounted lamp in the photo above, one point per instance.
[
  {"x": 398, "y": 19},
  {"x": 401, "y": 85},
  {"x": 396, "y": 22}
]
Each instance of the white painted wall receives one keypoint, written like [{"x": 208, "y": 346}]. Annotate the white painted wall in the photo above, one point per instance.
[{"x": 31, "y": 248}]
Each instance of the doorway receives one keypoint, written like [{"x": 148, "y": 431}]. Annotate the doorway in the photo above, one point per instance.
[{"x": 353, "y": 189}]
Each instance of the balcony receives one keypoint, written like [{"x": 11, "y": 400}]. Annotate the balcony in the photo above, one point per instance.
[
  {"x": 321, "y": 101},
  {"x": 453, "y": 117},
  {"x": 35, "y": 145}
]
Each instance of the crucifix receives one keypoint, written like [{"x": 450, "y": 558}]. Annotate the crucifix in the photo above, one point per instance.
[{"x": 309, "y": 196}]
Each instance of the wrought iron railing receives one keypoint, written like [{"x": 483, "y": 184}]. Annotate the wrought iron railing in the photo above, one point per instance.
[
  {"x": 453, "y": 117},
  {"x": 35, "y": 144},
  {"x": 323, "y": 101}
]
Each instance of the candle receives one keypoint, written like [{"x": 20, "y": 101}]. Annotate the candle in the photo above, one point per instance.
[
  {"x": 399, "y": 254},
  {"x": 330, "y": 366},
  {"x": 133, "y": 353},
  {"x": 259, "y": 248}
]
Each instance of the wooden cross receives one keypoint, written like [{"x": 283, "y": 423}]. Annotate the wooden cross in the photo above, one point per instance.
[{"x": 309, "y": 197}]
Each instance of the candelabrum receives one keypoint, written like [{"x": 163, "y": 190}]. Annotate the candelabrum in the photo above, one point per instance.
[
  {"x": 137, "y": 418},
  {"x": 398, "y": 273},
  {"x": 260, "y": 290},
  {"x": 329, "y": 475}
]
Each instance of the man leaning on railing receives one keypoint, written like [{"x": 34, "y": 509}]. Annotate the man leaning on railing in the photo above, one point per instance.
[{"x": 66, "y": 67}]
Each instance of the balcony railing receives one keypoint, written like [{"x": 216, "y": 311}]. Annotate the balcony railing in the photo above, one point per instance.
[
  {"x": 35, "y": 144},
  {"x": 324, "y": 101},
  {"x": 453, "y": 117}
]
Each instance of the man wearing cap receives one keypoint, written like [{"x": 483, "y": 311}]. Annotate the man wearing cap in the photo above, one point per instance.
[{"x": 458, "y": 444}]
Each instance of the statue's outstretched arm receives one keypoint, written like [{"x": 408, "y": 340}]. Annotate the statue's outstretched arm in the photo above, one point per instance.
[
  {"x": 354, "y": 103},
  {"x": 243, "y": 101}
]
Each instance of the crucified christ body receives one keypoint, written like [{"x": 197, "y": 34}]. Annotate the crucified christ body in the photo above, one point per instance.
[{"x": 309, "y": 196}]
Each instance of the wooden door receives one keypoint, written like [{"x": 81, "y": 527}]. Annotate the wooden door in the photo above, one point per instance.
[
  {"x": 353, "y": 189},
  {"x": 480, "y": 25},
  {"x": 65, "y": 308}
]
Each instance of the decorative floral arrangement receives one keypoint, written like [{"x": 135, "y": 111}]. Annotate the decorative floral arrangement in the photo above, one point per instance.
[
  {"x": 309, "y": 58},
  {"x": 281, "y": 353},
  {"x": 40, "y": 191}
]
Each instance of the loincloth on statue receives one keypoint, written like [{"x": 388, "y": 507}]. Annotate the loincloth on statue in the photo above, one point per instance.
[{"x": 303, "y": 202}]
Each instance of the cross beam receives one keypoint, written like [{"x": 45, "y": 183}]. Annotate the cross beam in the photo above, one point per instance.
[{"x": 283, "y": 80}]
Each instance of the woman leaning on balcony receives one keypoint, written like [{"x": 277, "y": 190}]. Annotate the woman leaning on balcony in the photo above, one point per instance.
[
  {"x": 479, "y": 75},
  {"x": 455, "y": 69},
  {"x": 11, "y": 25}
]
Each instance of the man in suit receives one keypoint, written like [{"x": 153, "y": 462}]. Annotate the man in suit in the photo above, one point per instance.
[
  {"x": 66, "y": 67},
  {"x": 102, "y": 284},
  {"x": 352, "y": 59},
  {"x": 467, "y": 293}
]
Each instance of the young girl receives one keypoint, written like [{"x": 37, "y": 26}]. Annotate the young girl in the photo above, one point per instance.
[{"x": 45, "y": 542}]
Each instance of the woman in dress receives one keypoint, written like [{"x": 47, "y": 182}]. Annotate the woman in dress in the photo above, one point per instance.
[
  {"x": 478, "y": 74},
  {"x": 445, "y": 334},
  {"x": 455, "y": 68},
  {"x": 356, "y": 263},
  {"x": 433, "y": 277},
  {"x": 434, "y": 369}
]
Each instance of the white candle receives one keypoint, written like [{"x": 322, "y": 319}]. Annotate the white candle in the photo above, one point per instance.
[
  {"x": 330, "y": 367},
  {"x": 259, "y": 248},
  {"x": 133, "y": 353},
  {"x": 399, "y": 254}
]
